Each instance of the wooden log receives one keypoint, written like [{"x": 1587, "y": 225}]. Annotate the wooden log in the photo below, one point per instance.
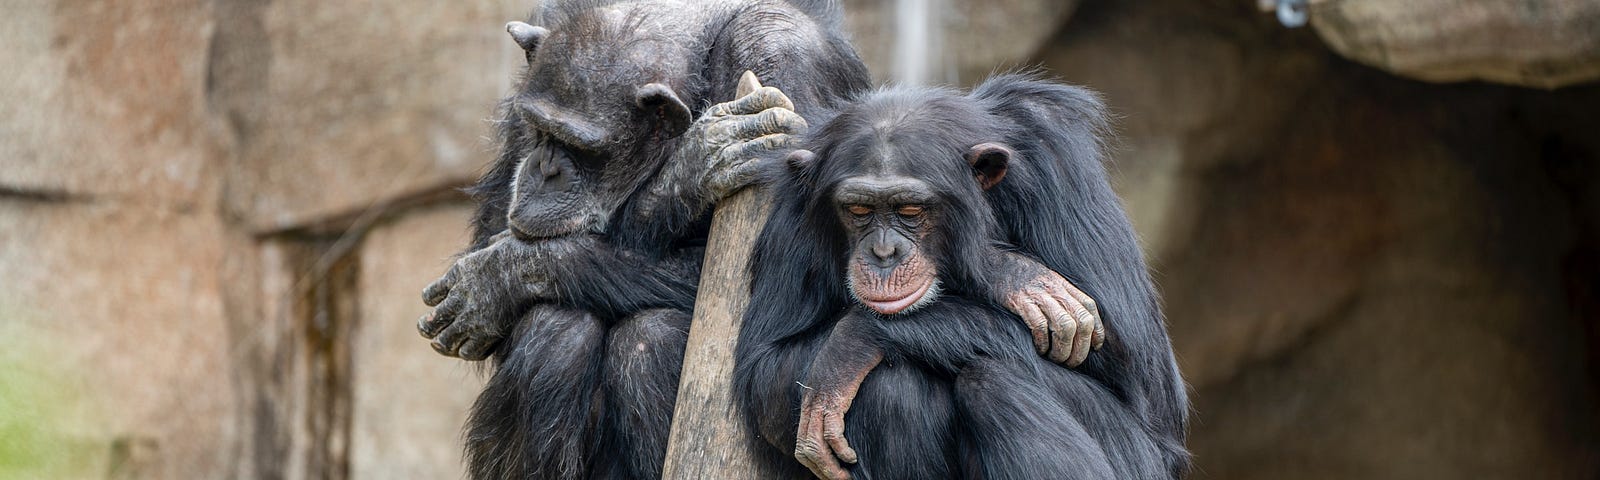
[{"x": 709, "y": 438}]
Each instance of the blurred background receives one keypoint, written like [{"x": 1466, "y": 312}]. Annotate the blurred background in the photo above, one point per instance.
[{"x": 1378, "y": 234}]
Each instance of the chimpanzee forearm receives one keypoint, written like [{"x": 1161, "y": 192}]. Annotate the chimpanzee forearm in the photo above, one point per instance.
[
  {"x": 771, "y": 377},
  {"x": 949, "y": 335},
  {"x": 614, "y": 283},
  {"x": 483, "y": 294},
  {"x": 832, "y": 382}
]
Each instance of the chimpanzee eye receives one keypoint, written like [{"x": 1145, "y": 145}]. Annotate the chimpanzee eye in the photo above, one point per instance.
[
  {"x": 858, "y": 210},
  {"x": 910, "y": 210}
]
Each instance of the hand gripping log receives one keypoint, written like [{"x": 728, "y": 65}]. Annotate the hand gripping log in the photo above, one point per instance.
[{"x": 709, "y": 439}]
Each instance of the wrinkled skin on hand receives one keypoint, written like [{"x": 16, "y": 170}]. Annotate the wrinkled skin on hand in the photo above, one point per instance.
[
  {"x": 723, "y": 150},
  {"x": 1064, "y": 321},
  {"x": 831, "y": 385},
  {"x": 479, "y": 298}
]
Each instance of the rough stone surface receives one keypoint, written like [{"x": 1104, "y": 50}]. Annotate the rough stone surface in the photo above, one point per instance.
[
  {"x": 131, "y": 323},
  {"x": 336, "y": 106},
  {"x": 1365, "y": 277},
  {"x": 160, "y": 166},
  {"x": 106, "y": 100},
  {"x": 1536, "y": 43},
  {"x": 412, "y": 401}
]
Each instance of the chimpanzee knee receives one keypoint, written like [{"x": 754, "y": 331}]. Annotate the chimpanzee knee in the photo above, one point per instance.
[
  {"x": 900, "y": 425},
  {"x": 530, "y": 421},
  {"x": 643, "y": 356},
  {"x": 1016, "y": 428}
]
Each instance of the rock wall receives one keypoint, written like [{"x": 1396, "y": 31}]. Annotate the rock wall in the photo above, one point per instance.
[
  {"x": 1365, "y": 277},
  {"x": 1536, "y": 43},
  {"x": 215, "y": 219}
]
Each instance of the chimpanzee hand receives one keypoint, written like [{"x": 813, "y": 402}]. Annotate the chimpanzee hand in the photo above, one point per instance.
[
  {"x": 719, "y": 152},
  {"x": 831, "y": 384},
  {"x": 480, "y": 297},
  {"x": 1064, "y": 321}
]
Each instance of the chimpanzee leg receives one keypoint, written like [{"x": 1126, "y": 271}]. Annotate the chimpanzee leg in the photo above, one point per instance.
[
  {"x": 536, "y": 416},
  {"x": 643, "y": 356},
  {"x": 1014, "y": 427},
  {"x": 900, "y": 425}
]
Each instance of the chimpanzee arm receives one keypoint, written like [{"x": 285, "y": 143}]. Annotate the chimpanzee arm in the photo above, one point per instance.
[
  {"x": 613, "y": 283},
  {"x": 831, "y": 384},
  {"x": 480, "y": 296},
  {"x": 946, "y": 337}
]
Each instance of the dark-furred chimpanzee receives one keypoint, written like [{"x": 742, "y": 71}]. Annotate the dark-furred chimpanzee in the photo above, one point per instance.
[
  {"x": 590, "y": 227},
  {"x": 875, "y": 269}
]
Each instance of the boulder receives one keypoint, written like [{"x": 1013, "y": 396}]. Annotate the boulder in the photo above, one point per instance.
[{"x": 1533, "y": 43}]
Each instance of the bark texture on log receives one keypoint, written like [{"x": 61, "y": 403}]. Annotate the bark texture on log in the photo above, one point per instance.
[
  {"x": 1532, "y": 43},
  {"x": 709, "y": 438}
]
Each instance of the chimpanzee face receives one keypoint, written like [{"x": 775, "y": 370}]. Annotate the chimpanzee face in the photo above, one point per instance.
[
  {"x": 551, "y": 194},
  {"x": 894, "y": 219},
  {"x": 887, "y": 220},
  {"x": 599, "y": 118}
]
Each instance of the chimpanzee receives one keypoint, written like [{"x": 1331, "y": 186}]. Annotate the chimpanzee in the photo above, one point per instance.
[
  {"x": 872, "y": 287},
  {"x": 589, "y": 233}
]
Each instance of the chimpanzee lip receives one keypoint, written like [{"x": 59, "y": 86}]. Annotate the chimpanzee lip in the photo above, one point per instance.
[
  {"x": 897, "y": 305},
  {"x": 553, "y": 227}
]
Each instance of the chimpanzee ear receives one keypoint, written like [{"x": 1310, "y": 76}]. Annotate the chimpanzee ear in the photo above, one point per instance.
[
  {"x": 658, "y": 100},
  {"x": 798, "y": 161},
  {"x": 988, "y": 162},
  {"x": 527, "y": 36}
]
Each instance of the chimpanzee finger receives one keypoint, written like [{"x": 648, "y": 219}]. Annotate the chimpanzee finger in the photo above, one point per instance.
[
  {"x": 811, "y": 448},
  {"x": 807, "y": 450},
  {"x": 475, "y": 348},
  {"x": 1082, "y": 299},
  {"x": 1062, "y": 327},
  {"x": 1080, "y": 339},
  {"x": 1099, "y": 335},
  {"x": 762, "y": 99},
  {"x": 741, "y": 164},
  {"x": 442, "y": 316},
  {"x": 760, "y": 147},
  {"x": 833, "y": 433},
  {"x": 768, "y": 122},
  {"x": 1038, "y": 325},
  {"x": 436, "y": 291},
  {"x": 825, "y": 465},
  {"x": 1084, "y": 325},
  {"x": 449, "y": 341}
]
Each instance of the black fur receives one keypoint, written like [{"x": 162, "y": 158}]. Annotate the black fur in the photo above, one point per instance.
[
  {"x": 585, "y": 388},
  {"x": 960, "y": 393}
]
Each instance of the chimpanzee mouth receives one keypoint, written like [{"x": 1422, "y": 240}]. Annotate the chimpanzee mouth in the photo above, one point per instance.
[{"x": 922, "y": 295}]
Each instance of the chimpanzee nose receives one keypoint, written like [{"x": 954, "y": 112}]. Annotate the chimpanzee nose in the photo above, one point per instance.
[
  {"x": 551, "y": 176},
  {"x": 549, "y": 169},
  {"x": 884, "y": 251}
]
